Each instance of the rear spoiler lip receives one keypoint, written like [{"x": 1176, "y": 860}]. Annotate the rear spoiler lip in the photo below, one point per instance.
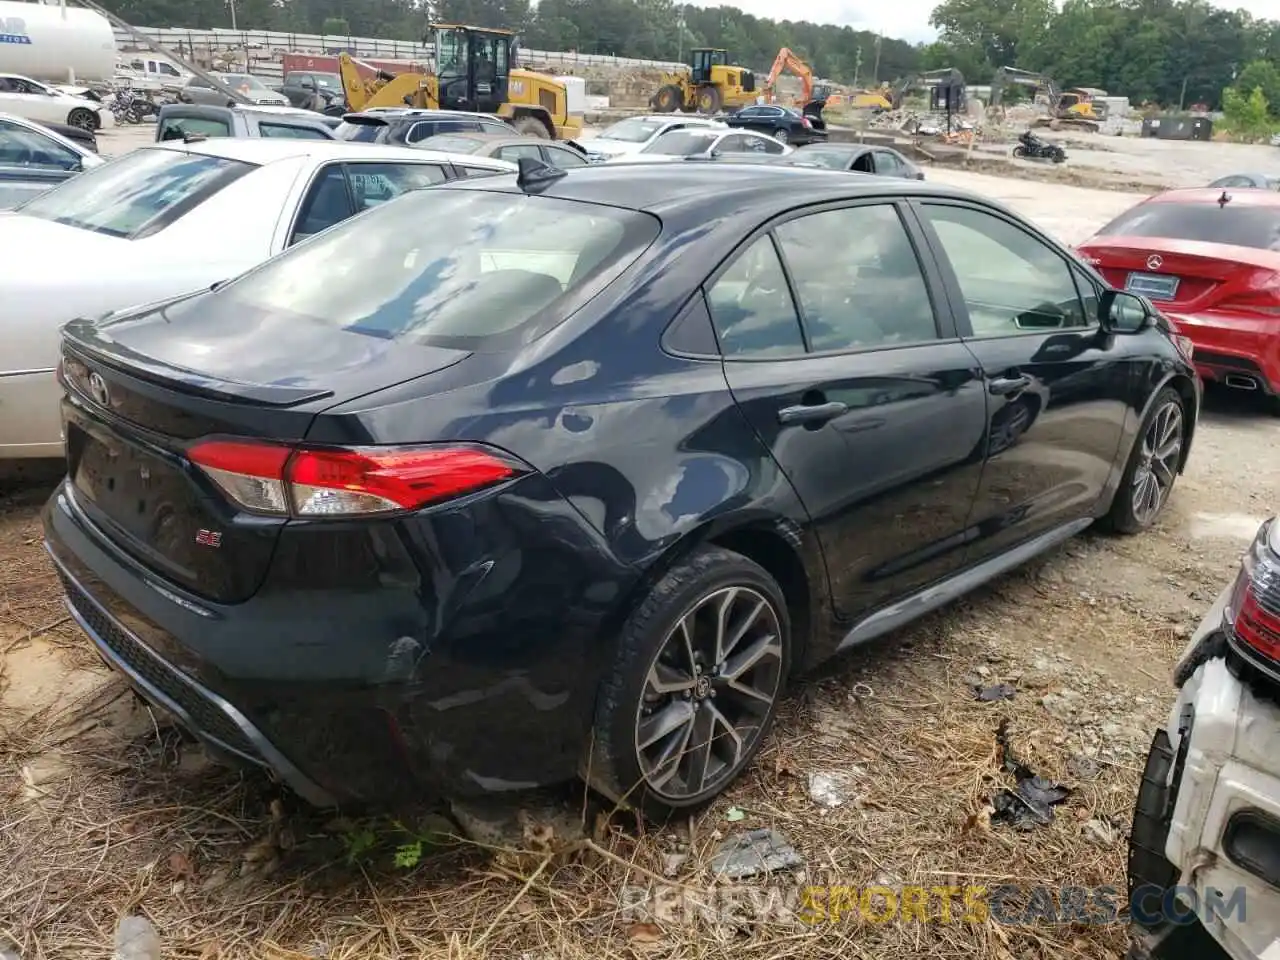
[{"x": 81, "y": 338}]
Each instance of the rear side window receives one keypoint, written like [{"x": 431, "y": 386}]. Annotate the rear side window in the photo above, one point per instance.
[
  {"x": 519, "y": 151},
  {"x": 178, "y": 127},
  {"x": 446, "y": 144},
  {"x": 565, "y": 159},
  {"x": 752, "y": 308},
  {"x": 468, "y": 171},
  {"x": 1234, "y": 224},
  {"x": 375, "y": 183},
  {"x": 289, "y": 131},
  {"x": 508, "y": 267},
  {"x": 137, "y": 195}
]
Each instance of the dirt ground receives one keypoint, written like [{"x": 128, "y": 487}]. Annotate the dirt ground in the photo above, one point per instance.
[{"x": 106, "y": 811}]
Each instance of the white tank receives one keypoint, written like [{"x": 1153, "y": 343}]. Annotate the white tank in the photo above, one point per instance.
[{"x": 54, "y": 43}]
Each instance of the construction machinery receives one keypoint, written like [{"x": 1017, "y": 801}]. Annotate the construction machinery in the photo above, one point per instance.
[
  {"x": 711, "y": 85},
  {"x": 945, "y": 87},
  {"x": 474, "y": 72},
  {"x": 789, "y": 62},
  {"x": 1079, "y": 108}
]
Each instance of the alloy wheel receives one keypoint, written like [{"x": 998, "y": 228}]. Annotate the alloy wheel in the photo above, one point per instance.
[
  {"x": 1157, "y": 462},
  {"x": 709, "y": 692},
  {"x": 781, "y": 136}
]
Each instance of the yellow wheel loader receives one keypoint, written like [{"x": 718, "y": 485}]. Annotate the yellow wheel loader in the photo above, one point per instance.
[
  {"x": 474, "y": 72},
  {"x": 711, "y": 85}
]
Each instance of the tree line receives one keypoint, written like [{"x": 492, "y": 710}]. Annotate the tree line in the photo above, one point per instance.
[{"x": 1171, "y": 52}]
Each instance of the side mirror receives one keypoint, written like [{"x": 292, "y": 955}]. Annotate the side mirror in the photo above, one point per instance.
[{"x": 1120, "y": 312}]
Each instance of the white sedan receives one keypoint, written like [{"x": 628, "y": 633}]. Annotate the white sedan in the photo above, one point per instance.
[
  {"x": 706, "y": 143},
  {"x": 632, "y": 135},
  {"x": 37, "y": 101},
  {"x": 167, "y": 220}
]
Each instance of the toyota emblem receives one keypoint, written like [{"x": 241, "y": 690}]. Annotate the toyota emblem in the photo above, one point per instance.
[
  {"x": 1155, "y": 262},
  {"x": 98, "y": 389}
]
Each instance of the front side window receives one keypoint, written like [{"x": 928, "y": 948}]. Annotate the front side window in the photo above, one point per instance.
[
  {"x": 858, "y": 279},
  {"x": 752, "y": 309},
  {"x": 168, "y": 71},
  {"x": 515, "y": 152},
  {"x": 138, "y": 194},
  {"x": 681, "y": 143},
  {"x": 328, "y": 202},
  {"x": 175, "y": 128},
  {"x": 20, "y": 147},
  {"x": 507, "y": 267},
  {"x": 1011, "y": 281},
  {"x": 887, "y": 164}
]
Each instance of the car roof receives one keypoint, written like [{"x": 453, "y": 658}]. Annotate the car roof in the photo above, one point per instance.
[
  {"x": 387, "y": 114},
  {"x": 263, "y": 150},
  {"x": 274, "y": 109},
  {"x": 1247, "y": 197},
  {"x": 710, "y": 190},
  {"x": 495, "y": 138}
]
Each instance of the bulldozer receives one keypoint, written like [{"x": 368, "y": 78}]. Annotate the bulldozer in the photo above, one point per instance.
[
  {"x": 474, "y": 72},
  {"x": 711, "y": 85}
]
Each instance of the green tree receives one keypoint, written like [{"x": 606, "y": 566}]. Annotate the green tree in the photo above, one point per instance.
[
  {"x": 335, "y": 26},
  {"x": 1001, "y": 29},
  {"x": 1260, "y": 75},
  {"x": 1247, "y": 116}
]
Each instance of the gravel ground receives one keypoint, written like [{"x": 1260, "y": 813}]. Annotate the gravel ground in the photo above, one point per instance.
[{"x": 105, "y": 811}]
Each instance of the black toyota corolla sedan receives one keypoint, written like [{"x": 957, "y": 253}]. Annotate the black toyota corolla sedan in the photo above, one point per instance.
[{"x": 519, "y": 478}]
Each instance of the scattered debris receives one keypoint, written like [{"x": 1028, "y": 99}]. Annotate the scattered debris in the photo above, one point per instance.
[
  {"x": 1100, "y": 831},
  {"x": 753, "y": 853},
  {"x": 997, "y": 691},
  {"x": 1083, "y": 768},
  {"x": 672, "y": 862},
  {"x": 9, "y": 950},
  {"x": 644, "y": 933},
  {"x": 831, "y": 788},
  {"x": 136, "y": 939},
  {"x": 1031, "y": 802},
  {"x": 734, "y": 815}
]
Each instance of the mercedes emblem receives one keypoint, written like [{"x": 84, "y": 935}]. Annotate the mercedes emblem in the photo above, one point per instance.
[
  {"x": 98, "y": 389},
  {"x": 1155, "y": 262}
]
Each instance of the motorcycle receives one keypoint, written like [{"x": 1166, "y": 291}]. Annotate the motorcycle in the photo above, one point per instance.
[
  {"x": 1031, "y": 147},
  {"x": 128, "y": 107}
]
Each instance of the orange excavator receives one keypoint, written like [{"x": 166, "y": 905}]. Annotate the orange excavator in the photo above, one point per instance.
[{"x": 788, "y": 61}]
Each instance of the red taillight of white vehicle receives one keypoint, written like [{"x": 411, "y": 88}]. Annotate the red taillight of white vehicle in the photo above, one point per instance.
[
  {"x": 281, "y": 480},
  {"x": 1253, "y": 613}
]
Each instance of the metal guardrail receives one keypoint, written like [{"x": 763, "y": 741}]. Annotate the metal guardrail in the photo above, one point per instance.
[{"x": 263, "y": 45}]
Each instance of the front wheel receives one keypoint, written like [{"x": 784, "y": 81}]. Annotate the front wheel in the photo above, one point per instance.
[
  {"x": 1020, "y": 152},
  {"x": 709, "y": 99},
  {"x": 669, "y": 99},
  {"x": 1153, "y": 466},
  {"x": 701, "y": 664},
  {"x": 84, "y": 119}
]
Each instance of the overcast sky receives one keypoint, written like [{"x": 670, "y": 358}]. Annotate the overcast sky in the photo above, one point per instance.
[{"x": 904, "y": 19}]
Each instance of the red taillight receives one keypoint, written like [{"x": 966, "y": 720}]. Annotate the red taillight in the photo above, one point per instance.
[
  {"x": 1258, "y": 627},
  {"x": 805, "y": 121},
  {"x": 335, "y": 482},
  {"x": 1253, "y": 611}
]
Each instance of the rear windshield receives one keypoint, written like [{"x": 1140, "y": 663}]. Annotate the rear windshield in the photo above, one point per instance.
[
  {"x": 681, "y": 143},
  {"x": 508, "y": 267},
  {"x": 447, "y": 144},
  {"x": 830, "y": 159},
  {"x": 1235, "y": 224},
  {"x": 633, "y": 130},
  {"x": 138, "y": 194},
  {"x": 359, "y": 132}
]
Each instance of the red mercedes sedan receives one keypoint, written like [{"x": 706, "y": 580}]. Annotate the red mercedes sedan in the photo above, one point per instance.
[{"x": 1210, "y": 261}]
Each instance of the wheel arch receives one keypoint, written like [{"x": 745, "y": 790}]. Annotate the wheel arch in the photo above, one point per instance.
[{"x": 1187, "y": 390}]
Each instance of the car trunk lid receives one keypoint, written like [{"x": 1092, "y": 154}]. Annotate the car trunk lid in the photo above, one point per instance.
[
  {"x": 1192, "y": 275},
  {"x": 142, "y": 390}
]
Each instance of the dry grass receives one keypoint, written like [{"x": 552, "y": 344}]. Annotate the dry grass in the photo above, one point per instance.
[{"x": 225, "y": 867}]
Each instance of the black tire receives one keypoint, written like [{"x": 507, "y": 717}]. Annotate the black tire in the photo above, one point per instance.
[
  {"x": 84, "y": 119},
  {"x": 531, "y": 127},
  {"x": 1122, "y": 517},
  {"x": 1020, "y": 151},
  {"x": 669, "y": 99},
  {"x": 782, "y": 136},
  {"x": 709, "y": 100},
  {"x": 695, "y": 588}
]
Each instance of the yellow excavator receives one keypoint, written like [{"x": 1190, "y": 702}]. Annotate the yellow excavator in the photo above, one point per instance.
[
  {"x": 711, "y": 85},
  {"x": 474, "y": 72}
]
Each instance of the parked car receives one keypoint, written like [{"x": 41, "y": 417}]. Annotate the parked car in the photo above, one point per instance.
[
  {"x": 1258, "y": 181},
  {"x": 632, "y": 135},
  {"x": 508, "y": 146},
  {"x": 314, "y": 90},
  {"x": 85, "y": 139},
  {"x": 578, "y": 482},
  {"x": 34, "y": 158},
  {"x": 24, "y": 97},
  {"x": 1210, "y": 259},
  {"x": 178, "y": 120},
  {"x": 705, "y": 144},
  {"x": 161, "y": 221},
  {"x": 199, "y": 90},
  {"x": 855, "y": 158},
  {"x": 784, "y": 124},
  {"x": 1206, "y": 826},
  {"x": 409, "y": 125}
]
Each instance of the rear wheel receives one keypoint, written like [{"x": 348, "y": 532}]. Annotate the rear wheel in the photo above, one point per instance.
[
  {"x": 82, "y": 118},
  {"x": 708, "y": 99},
  {"x": 781, "y": 135},
  {"x": 531, "y": 127},
  {"x": 1153, "y": 466},
  {"x": 669, "y": 99},
  {"x": 700, "y": 667}
]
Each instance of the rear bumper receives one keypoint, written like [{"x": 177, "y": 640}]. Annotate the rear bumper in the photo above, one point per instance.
[
  {"x": 1234, "y": 346},
  {"x": 440, "y": 672}
]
